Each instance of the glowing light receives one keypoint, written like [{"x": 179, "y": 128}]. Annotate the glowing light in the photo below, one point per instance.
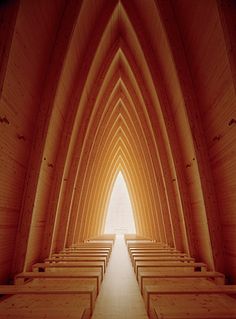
[{"x": 120, "y": 219}]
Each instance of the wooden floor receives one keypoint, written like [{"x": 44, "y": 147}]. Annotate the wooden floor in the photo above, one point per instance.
[{"x": 120, "y": 295}]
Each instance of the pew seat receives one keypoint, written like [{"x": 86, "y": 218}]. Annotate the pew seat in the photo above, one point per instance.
[
  {"x": 184, "y": 289},
  {"x": 45, "y": 301},
  {"x": 76, "y": 259},
  {"x": 158, "y": 254},
  {"x": 72, "y": 266},
  {"x": 168, "y": 265},
  {"x": 165, "y": 258},
  {"x": 26, "y": 277},
  {"x": 82, "y": 254},
  {"x": 194, "y": 306},
  {"x": 217, "y": 277},
  {"x": 103, "y": 237}
]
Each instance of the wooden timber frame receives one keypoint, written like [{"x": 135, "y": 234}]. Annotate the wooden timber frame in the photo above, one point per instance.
[
  {"x": 79, "y": 278},
  {"x": 174, "y": 286}
]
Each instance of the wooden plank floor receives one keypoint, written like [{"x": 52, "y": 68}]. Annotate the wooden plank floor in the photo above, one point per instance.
[{"x": 119, "y": 296}]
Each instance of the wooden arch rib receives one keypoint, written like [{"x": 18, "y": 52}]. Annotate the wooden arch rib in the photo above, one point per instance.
[
  {"x": 151, "y": 67},
  {"x": 108, "y": 137},
  {"x": 127, "y": 72},
  {"x": 120, "y": 129},
  {"x": 64, "y": 84},
  {"x": 134, "y": 49},
  {"x": 86, "y": 161}
]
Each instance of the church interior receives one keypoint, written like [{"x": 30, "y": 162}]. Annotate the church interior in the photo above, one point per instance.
[{"x": 94, "y": 89}]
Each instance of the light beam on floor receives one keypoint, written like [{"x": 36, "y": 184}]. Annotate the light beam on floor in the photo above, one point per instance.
[{"x": 120, "y": 218}]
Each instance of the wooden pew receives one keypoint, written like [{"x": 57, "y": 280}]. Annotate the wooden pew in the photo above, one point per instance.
[
  {"x": 174, "y": 265},
  {"x": 135, "y": 255},
  {"x": 70, "y": 282},
  {"x": 152, "y": 250},
  {"x": 42, "y": 267},
  {"x": 143, "y": 276},
  {"x": 148, "y": 245},
  {"x": 152, "y": 247},
  {"x": 87, "y": 250},
  {"x": 45, "y": 306},
  {"x": 143, "y": 241},
  {"x": 103, "y": 237},
  {"x": 203, "y": 306},
  {"x": 157, "y": 258},
  {"x": 98, "y": 242},
  {"x": 71, "y": 277},
  {"x": 90, "y": 245},
  {"x": 180, "y": 289},
  {"x": 81, "y": 254},
  {"x": 52, "y": 302},
  {"x": 134, "y": 237},
  {"x": 187, "y": 292},
  {"x": 157, "y": 253},
  {"x": 95, "y": 246},
  {"x": 26, "y": 277},
  {"x": 76, "y": 259}
]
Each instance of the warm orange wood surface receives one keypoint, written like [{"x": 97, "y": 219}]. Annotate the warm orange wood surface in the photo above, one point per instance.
[{"x": 91, "y": 88}]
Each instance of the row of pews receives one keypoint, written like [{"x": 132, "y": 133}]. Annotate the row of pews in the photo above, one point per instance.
[
  {"x": 175, "y": 286},
  {"x": 65, "y": 285}
]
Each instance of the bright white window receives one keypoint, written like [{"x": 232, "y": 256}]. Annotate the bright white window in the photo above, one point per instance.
[{"x": 120, "y": 219}]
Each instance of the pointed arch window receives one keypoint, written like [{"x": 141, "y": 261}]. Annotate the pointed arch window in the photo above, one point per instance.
[{"x": 120, "y": 218}]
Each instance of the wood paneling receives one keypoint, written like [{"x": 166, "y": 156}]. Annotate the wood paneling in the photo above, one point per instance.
[
  {"x": 28, "y": 58},
  {"x": 212, "y": 76},
  {"x": 93, "y": 87}
]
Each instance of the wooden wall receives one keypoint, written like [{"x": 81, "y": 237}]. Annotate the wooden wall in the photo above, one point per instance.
[
  {"x": 213, "y": 79},
  {"x": 93, "y": 87},
  {"x": 27, "y": 62}
]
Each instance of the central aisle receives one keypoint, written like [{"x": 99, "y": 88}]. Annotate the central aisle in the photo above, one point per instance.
[{"x": 119, "y": 297}]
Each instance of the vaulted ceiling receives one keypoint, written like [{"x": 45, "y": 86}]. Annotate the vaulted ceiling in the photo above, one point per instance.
[{"x": 91, "y": 88}]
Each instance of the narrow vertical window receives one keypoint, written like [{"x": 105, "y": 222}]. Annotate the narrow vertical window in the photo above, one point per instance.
[{"x": 120, "y": 219}]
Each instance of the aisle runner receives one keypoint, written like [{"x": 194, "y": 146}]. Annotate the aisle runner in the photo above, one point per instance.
[{"x": 119, "y": 297}]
